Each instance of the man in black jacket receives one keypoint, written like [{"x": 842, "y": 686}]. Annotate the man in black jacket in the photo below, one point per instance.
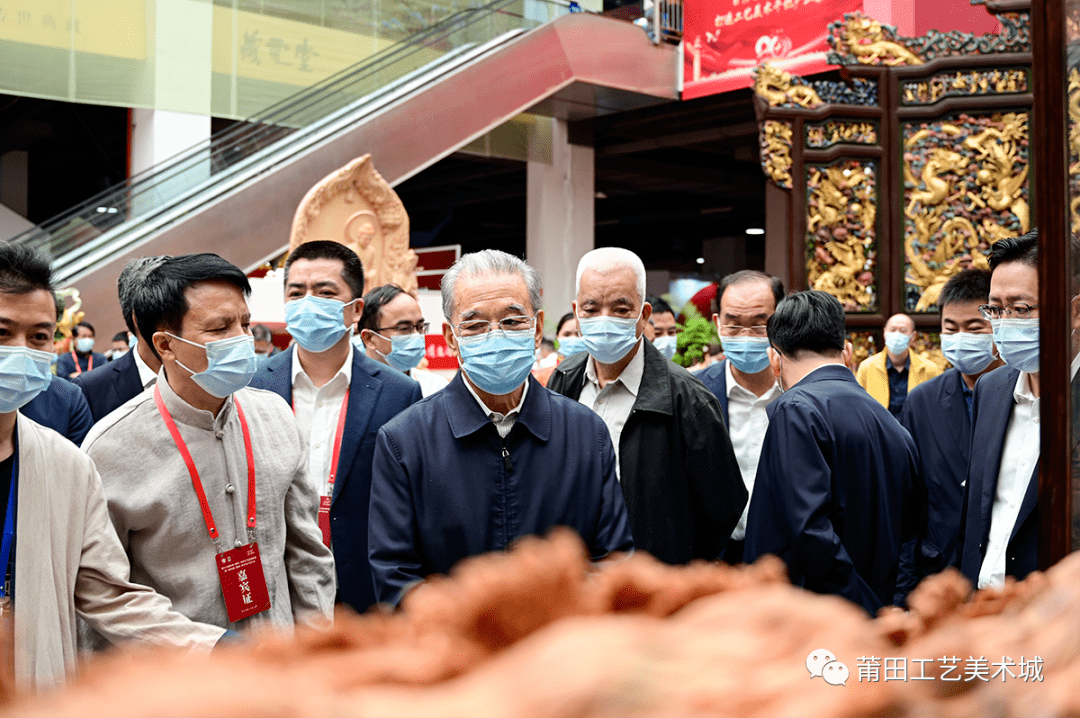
[{"x": 674, "y": 459}]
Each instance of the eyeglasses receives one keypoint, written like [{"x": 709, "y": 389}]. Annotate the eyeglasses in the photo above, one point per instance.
[
  {"x": 1019, "y": 310},
  {"x": 405, "y": 328},
  {"x": 734, "y": 330},
  {"x": 476, "y": 327}
]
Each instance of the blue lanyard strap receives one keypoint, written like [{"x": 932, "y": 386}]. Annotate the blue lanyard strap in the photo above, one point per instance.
[{"x": 9, "y": 535}]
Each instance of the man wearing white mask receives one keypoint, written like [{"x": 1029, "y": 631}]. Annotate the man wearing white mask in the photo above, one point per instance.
[
  {"x": 493, "y": 456},
  {"x": 393, "y": 331},
  {"x": 890, "y": 374},
  {"x": 937, "y": 413},
  {"x": 743, "y": 383},
  {"x": 341, "y": 399},
  {"x": 664, "y": 327},
  {"x": 205, "y": 477},
  {"x": 676, "y": 466},
  {"x": 1000, "y": 530},
  {"x": 60, "y": 556}
]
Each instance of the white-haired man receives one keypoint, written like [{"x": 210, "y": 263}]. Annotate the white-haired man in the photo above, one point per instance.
[
  {"x": 677, "y": 469},
  {"x": 493, "y": 456}
]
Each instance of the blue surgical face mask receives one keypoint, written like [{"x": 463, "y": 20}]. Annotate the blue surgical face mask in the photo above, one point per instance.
[
  {"x": 498, "y": 362},
  {"x": 747, "y": 354},
  {"x": 969, "y": 353},
  {"x": 316, "y": 323},
  {"x": 231, "y": 364},
  {"x": 667, "y": 345},
  {"x": 1018, "y": 342},
  {"x": 569, "y": 346},
  {"x": 405, "y": 351},
  {"x": 897, "y": 342},
  {"x": 24, "y": 373},
  {"x": 609, "y": 339},
  {"x": 85, "y": 345},
  {"x": 132, "y": 341}
]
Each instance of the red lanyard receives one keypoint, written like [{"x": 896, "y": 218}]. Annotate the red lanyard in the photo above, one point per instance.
[
  {"x": 337, "y": 437},
  {"x": 197, "y": 483},
  {"x": 78, "y": 369}
]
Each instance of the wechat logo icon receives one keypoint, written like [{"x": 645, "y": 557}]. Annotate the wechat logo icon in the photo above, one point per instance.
[{"x": 824, "y": 664}]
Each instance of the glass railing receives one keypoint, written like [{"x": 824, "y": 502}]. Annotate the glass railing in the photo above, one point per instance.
[{"x": 115, "y": 219}]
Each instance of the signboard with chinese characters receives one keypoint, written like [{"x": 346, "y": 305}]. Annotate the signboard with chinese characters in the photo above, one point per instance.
[
  {"x": 725, "y": 39},
  {"x": 118, "y": 31}
]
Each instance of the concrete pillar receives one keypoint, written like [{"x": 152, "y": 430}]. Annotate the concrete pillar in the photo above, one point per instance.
[{"x": 560, "y": 216}]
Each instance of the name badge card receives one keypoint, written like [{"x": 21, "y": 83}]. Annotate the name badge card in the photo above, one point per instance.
[{"x": 242, "y": 582}]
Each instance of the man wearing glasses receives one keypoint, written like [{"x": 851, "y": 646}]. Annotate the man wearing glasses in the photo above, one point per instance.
[
  {"x": 677, "y": 469},
  {"x": 493, "y": 456},
  {"x": 392, "y": 331},
  {"x": 340, "y": 398},
  {"x": 999, "y": 533},
  {"x": 743, "y": 383}
]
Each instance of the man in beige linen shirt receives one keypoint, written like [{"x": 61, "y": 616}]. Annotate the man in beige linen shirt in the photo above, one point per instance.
[
  {"x": 193, "y": 308},
  {"x": 66, "y": 559}
]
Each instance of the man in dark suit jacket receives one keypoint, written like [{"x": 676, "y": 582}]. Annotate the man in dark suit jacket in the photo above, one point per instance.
[
  {"x": 62, "y": 407},
  {"x": 82, "y": 357},
  {"x": 1000, "y": 531},
  {"x": 113, "y": 384},
  {"x": 834, "y": 487},
  {"x": 746, "y": 301},
  {"x": 937, "y": 414},
  {"x": 324, "y": 283}
]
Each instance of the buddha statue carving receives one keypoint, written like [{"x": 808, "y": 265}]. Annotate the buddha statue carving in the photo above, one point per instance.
[{"x": 358, "y": 208}]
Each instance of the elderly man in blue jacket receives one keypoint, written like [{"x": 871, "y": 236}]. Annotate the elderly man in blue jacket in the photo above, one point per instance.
[
  {"x": 493, "y": 456},
  {"x": 838, "y": 475}
]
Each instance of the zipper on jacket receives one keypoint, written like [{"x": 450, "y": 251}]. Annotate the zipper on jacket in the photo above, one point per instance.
[{"x": 506, "y": 457}]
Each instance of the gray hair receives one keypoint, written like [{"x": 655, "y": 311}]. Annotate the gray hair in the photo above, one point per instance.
[
  {"x": 484, "y": 263},
  {"x": 131, "y": 276},
  {"x": 605, "y": 259}
]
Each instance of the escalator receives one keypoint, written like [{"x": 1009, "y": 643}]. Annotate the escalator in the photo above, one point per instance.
[{"x": 408, "y": 106}]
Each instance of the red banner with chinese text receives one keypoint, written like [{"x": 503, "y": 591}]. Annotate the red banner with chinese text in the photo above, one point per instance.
[{"x": 726, "y": 39}]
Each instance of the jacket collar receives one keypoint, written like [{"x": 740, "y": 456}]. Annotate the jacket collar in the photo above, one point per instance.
[
  {"x": 466, "y": 417},
  {"x": 654, "y": 394},
  {"x": 826, "y": 372},
  {"x": 184, "y": 413}
]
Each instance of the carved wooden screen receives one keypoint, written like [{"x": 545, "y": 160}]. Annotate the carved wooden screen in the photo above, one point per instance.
[{"x": 903, "y": 174}]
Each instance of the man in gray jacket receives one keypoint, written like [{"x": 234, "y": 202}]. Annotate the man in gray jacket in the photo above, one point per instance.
[
  {"x": 205, "y": 477},
  {"x": 60, "y": 555}
]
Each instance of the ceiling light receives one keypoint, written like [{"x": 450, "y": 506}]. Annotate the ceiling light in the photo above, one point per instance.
[
  {"x": 700, "y": 260},
  {"x": 601, "y": 195},
  {"x": 755, "y": 230},
  {"x": 102, "y": 210}
]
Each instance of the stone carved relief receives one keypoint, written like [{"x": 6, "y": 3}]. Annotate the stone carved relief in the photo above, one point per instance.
[
  {"x": 358, "y": 208},
  {"x": 841, "y": 232},
  {"x": 776, "y": 151},
  {"x": 966, "y": 186}
]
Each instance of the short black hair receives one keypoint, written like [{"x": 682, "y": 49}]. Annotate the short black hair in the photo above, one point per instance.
[
  {"x": 130, "y": 281},
  {"x": 352, "y": 269},
  {"x": 374, "y": 301},
  {"x": 810, "y": 321},
  {"x": 161, "y": 304},
  {"x": 547, "y": 344},
  {"x": 88, "y": 325},
  {"x": 121, "y": 337},
  {"x": 261, "y": 333},
  {"x": 659, "y": 306},
  {"x": 970, "y": 285},
  {"x": 568, "y": 317},
  {"x": 24, "y": 269},
  {"x": 751, "y": 275},
  {"x": 1024, "y": 248}
]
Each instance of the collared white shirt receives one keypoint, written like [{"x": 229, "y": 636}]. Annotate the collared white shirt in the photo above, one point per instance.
[
  {"x": 317, "y": 411},
  {"x": 503, "y": 422},
  {"x": 429, "y": 381},
  {"x": 747, "y": 422},
  {"x": 147, "y": 376},
  {"x": 1019, "y": 455},
  {"x": 615, "y": 401}
]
